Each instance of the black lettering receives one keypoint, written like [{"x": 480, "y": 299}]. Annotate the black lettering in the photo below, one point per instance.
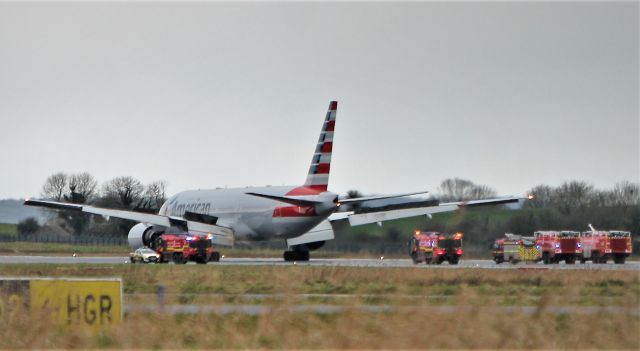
[
  {"x": 89, "y": 315},
  {"x": 71, "y": 309},
  {"x": 105, "y": 308}
]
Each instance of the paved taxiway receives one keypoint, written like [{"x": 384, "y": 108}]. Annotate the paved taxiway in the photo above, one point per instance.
[{"x": 340, "y": 262}]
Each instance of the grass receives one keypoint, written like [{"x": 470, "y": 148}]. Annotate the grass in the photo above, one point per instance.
[
  {"x": 7, "y": 229},
  {"x": 474, "y": 328},
  {"x": 473, "y": 294}
]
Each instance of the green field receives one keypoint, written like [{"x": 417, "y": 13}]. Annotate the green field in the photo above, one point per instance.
[
  {"x": 7, "y": 229},
  {"x": 478, "y": 314}
]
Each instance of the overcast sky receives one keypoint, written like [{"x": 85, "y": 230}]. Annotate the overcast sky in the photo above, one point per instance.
[{"x": 203, "y": 95}]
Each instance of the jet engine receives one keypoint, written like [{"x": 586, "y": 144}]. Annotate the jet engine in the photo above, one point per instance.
[{"x": 143, "y": 235}]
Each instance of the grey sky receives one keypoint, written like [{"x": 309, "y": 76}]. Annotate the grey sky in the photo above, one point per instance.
[{"x": 201, "y": 95}]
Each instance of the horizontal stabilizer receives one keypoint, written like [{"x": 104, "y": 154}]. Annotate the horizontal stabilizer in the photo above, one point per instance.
[{"x": 289, "y": 200}]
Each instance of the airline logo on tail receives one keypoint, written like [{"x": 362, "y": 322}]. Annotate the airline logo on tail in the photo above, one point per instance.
[{"x": 318, "y": 177}]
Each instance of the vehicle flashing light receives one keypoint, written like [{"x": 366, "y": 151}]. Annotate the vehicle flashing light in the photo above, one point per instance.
[
  {"x": 579, "y": 245},
  {"x": 189, "y": 238},
  {"x": 557, "y": 245},
  {"x": 417, "y": 232},
  {"x": 531, "y": 197}
]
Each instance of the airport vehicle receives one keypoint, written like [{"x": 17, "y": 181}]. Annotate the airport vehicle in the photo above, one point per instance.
[
  {"x": 303, "y": 216},
  {"x": 448, "y": 248},
  {"x": 181, "y": 248},
  {"x": 421, "y": 246},
  {"x": 144, "y": 255},
  {"x": 515, "y": 248},
  {"x": 558, "y": 246},
  {"x": 601, "y": 246}
]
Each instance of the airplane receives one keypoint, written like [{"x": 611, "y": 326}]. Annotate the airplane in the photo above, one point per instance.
[{"x": 304, "y": 216}]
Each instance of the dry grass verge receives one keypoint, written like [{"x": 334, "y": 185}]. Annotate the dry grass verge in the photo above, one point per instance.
[{"x": 471, "y": 292}]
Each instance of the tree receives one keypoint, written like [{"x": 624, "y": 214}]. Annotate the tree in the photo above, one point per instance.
[
  {"x": 542, "y": 196},
  {"x": 626, "y": 194},
  {"x": 124, "y": 190},
  {"x": 54, "y": 187},
  {"x": 456, "y": 189},
  {"x": 82, "y": 187},
  {"x": 573, "y": 195},
  {"x": 28, "y": 226},
  {"x": 154, "y": 196}
]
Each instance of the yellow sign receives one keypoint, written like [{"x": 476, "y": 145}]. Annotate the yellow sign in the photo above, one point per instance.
[{"x": 71, "y": 301}]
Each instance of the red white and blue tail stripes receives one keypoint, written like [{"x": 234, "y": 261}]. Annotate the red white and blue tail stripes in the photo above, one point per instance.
[{"x": 318, "y": 177}]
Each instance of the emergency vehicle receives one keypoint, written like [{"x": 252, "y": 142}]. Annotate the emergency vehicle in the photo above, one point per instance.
[
  {"x": 421, "y": 246},
  {"x": 182, "y": 248},
  {"x": 448, "y": 248},
  {"x": 558, "y": 246},
  {"x": 601, "y": 246},
  {"x": 515, "y": 248}
]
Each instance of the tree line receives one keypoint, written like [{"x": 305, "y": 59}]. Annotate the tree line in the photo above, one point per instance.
[
  {"x": 570, "y": 205},
  {"x": 123, "y": 192}
]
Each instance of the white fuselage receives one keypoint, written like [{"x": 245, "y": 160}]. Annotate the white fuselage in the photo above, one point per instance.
[{"x": 250, "y": 217}]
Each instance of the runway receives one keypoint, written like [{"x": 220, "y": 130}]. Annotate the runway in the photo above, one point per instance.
[{"x": 335, "y": 262}]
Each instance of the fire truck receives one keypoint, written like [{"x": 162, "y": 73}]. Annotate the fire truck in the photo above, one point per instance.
[
  {"x": 601, "y": 246},
  {"x": 515, "y": 248},
  {"x": 182, "y": 248},
  {"x": 448, "y": 248},
  {"x": 421, "y": 246},
  {"x": 559, "y": 246}
]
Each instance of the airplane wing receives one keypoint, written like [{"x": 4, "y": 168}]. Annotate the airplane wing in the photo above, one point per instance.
[
  {"x": 192, "y": 224},
  {"x": 356, "y": 219}
]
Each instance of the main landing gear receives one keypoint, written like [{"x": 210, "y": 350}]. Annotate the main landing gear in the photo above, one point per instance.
[
  {"x": 296, "y": 255},
  {"x": 301, "y": 252}
]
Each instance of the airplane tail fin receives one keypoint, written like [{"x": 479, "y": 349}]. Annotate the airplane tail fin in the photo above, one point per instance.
[{"x": 318, "y": 177}]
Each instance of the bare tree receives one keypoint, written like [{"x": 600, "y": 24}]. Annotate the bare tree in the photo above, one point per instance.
[
  {"x": 456, "y": 189},
  {"x": 123, "y": 190},
  {"x": 573, "y": 195},
  {"x": 54, "y": 187},
  {"x": 626, "y": 194},
  {"x": 542, "y": 196},
  {"x": 82, "y": 187},
  {"x": 154, "y": 196},
  {"x": 481, "y": 192}
]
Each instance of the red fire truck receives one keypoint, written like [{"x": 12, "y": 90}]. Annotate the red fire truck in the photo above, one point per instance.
[
  {"x": 601, "y": 246},
  {"x": 448, "y": 248},
  {"x": 181, "y": 248},
  {"x": 421, "y": 246},
  {"x": 515, "y": 248},
  {"x": 559, "y": 246}
]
